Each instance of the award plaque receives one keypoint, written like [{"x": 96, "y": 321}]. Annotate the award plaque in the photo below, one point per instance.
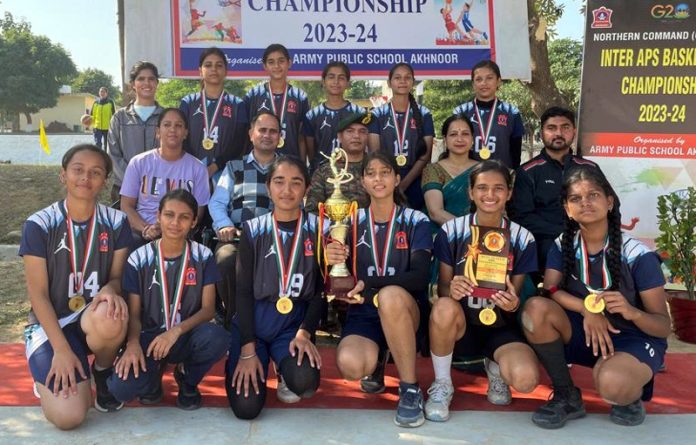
[
  {"x": 487, "y": 260},
  {"x": 338, "y": 208}
]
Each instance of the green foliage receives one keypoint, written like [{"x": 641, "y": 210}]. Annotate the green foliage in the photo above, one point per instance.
[
  {"x": 677, "y": 223},
  {"x": 551, "y": 12},
  {"x": 32, "y": 69},
  {"x": 91, "y": 79},
  {"x": 170, "y": 92},
  {"x": 362, "y": 89},
  {"x": 313, "y": 88},
  {"x": 442, "y": 96},
  {"x": 565, "y": 58}
]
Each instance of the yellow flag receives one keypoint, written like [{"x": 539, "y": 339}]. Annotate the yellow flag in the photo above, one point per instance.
[{"x": 43, "y": 140}]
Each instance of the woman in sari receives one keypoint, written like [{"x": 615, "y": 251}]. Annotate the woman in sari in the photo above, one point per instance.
[{"x": 445, "y": 183}]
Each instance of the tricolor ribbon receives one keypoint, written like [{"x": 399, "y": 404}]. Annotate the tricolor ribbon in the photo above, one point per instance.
[
  {"x": 485, "y": 132},
  {"x": 210, "y": 124},
  {"x": 381, "y": 264},
  {"x": 400, "y": 133},
  {"x": 171, "y": 308},
  {"x": 283, "y": 103},
  {"x": 585, "y": 265},
  {"x": 72, "y": 245},
  {"x": 285, "y": 271}
]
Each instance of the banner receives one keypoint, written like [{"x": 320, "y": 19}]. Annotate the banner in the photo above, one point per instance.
[
  {"x": 439, "y": 38},
  {"x": 638, "y": 101}
]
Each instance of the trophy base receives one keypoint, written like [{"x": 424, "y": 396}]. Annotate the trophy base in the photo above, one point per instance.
[{"x": 337, "y": 288}]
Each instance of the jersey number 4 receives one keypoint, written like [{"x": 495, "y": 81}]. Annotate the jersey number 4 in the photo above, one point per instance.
[{"x": 91, "y": 284}]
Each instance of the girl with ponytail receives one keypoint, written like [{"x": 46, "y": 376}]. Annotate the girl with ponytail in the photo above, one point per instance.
[
  {"x": 606, "y": 308},
  {"x": 404, "y": 130}
]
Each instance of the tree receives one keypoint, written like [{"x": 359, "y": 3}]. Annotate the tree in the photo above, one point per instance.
[
  {"x": 565, "y": 59},
  {"x": 170, "y": 92},
  {"x": 32, "y": 69},
  {"x": 362, "y": 89},
  {"x": 91, "y": 79}
]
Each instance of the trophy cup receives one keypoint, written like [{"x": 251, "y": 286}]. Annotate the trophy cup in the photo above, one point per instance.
[{"x": 337, "y": 208}]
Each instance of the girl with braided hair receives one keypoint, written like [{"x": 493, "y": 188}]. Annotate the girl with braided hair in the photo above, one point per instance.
[
  {"x": 606, "y": 308},
  {"x": 404, "y": 129}
]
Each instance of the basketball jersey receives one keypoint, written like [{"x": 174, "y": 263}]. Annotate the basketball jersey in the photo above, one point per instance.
[
  {"x": 452, "y": 244},
  {"x": 507, "y": 124},
  {"x": 411, "y": 233},
  {"x": 45, "y": 235},
  {"x": 383, "y": 124},
  {"x": 258, "y": 99},
  {"x": 229, "y": 133},
  {"x": 321, "y": 123},
  {"x": 141, "y": 277},
  {"x": 640, "y": 270}
]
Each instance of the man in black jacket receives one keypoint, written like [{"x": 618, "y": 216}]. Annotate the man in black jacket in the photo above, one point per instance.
[{"x": 536, "y": 199}]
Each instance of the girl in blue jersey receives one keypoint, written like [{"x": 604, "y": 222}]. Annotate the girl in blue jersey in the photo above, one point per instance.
[
  {"x": 278, "y": 298},
  {"x": 390, "y": 248},
  {"x": 286, "y": 101},
  {"x": 403, "y": 129},
  {"x": 171, "y": 300},
  {"x": 217, "y": 120},
  {"x": 606, "y": 308},
  {"x": 74, "y": 251},
  {"x": 460, "y": 317}
]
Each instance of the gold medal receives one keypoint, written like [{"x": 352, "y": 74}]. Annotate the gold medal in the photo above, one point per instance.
[
  {"x": 284, "y": 305},
  {"x": 76, "y": 302},
  {"x": 485, "y": 153},
  {"x": 487, "y": 316},
  {"x": 592, "y": 305},
  {"x": 375, "y": 300},
  {"x": 208, "y": 144},
  {"x": 281, "y": 142},
  {"x": 401, "y": 160}
]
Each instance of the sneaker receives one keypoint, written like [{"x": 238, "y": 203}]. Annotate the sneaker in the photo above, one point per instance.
[
  {"x": 498, "y": 390},
  {"x": 154, "y": 397},
  {"x": 439, "y": 397},
  {"x": 189, "y": 397},
  {"x": 565, "y": 404},
  {"x": 409, "y": 411},
  {"x": 284, "y": 394},
  {"x": 105, "y": 402},
  {"x": 628, "y": 415},
  {"x": 374, "y": 383}
]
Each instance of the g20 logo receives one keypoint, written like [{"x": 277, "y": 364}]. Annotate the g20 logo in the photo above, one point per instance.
[{"x": 681, "y": 11}]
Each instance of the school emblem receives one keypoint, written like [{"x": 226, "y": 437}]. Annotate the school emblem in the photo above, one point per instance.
[
  {"x": 227, "y": 111},
  {"x": 494, "y": 242},
  {"x": 601, "y": 18},
  {"x": 308, "y": 247},
  {"x": 401, "y": 240},
  {"x": 190, "y": 278},
  {"x": 502, "y": 120},
  {"x": 292, "y": 106},
  {"x": 103, "y": 242}
]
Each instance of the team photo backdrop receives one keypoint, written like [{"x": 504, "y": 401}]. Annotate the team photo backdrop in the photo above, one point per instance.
[
  {"x": 441, "y": 39},
  {"x": 638, "y": 102}
]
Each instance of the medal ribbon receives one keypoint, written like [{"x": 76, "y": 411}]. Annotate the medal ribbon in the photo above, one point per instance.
[
  {"x": 171, "y": 308},
  {"x": 585, "y": 265},
  {"x": 502, "y": 225},
  {"x": 281, "y": 116},
  {"x": 286, "y": 271},
  {"x": 400, "y": 134},
  {"x": 391, "y": 228},
  {"x": 485, "y": 133},
  {"x": 72, "y": 245},
  {"x": 210, "y": 124}
]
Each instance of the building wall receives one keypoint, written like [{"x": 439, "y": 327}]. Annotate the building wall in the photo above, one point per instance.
[{"x": 68, "y": 110}]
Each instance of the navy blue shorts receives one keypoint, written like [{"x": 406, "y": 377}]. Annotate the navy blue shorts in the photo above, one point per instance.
[
  {"x": 647, "y": 349},
  {"x": 275, "y": 349},
  {"x": 40, "y": 357},
  {"x": 482, "y": 340},
  {"x": 368, "y": 327}
]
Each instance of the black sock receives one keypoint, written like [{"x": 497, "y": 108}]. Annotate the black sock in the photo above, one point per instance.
[{"x": 552, "y": 356}]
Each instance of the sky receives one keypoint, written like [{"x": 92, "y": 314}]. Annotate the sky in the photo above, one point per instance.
[{"x": 88, "y": 29}]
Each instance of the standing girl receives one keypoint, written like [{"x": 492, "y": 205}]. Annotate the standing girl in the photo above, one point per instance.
[
  {"x": 287, "y": 102},
  {"x": 217, "y": 120},
  {"x": 74, "y": 251},
  {"x": 484, "y": 326},
  {"x": 390, "y": 250},
  {"x": 403, "y": 129},
  {"x": 278, "y": 298},
  {"x": 171, "y": 299},
  {"x": 497, "y": 124},
  {"x": 133, "y": 128},
  {"x": 606, "y": 308}
]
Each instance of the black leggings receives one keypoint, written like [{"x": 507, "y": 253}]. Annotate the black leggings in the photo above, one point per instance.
[{"x": 302, "y": 380}]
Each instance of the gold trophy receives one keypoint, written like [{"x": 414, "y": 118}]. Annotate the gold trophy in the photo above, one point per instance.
[{"x": 338, "y": 208}]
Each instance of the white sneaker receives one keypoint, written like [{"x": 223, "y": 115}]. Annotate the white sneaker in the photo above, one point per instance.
[
  {"x": 284, "y": 394},
  {"x": 498, "y": 390},
  {"x": 439, "y": 397}
]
